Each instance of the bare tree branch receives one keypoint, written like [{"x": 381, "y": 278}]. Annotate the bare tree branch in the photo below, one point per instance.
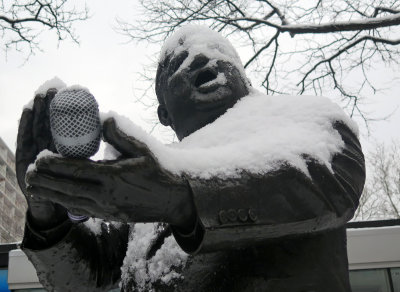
[
  {"x": 21, "y": 23},
  {"x": 326, "y": 41},
  {"x": 381, "y": 196},
  {"x": 366, "y": 24}
]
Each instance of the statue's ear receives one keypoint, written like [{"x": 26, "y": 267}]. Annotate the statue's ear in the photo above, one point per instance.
[{"x": 163, "y": 115}]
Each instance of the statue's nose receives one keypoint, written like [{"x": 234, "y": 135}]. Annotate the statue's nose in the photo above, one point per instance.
[{"x": 180, "y": 84}]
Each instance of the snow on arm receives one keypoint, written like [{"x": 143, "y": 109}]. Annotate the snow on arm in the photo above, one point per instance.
[{"x": 257, "y": 135}]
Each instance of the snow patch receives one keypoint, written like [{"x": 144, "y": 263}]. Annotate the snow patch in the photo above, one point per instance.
[
  {"x": 169, "y": 255},
  {"x": 201, "y": 40},
  {"x": 29, "y": 105},
  {"x": 75, "y": 87},
  {"x": 94, "y": 225},
  {"x": 160, "y": 267},
  {"x": 110, "y": 153},
  {"x": 56, "y": 83},
  {"x": 258, "y": 135},
  {"x": 31, "y": 167},
  {"x": 42, "y": 154}
]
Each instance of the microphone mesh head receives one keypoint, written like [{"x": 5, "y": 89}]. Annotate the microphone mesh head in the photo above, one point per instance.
[{"x": 75, "y": 123}]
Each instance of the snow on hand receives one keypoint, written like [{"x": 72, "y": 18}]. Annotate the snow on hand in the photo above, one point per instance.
[
  {"x": 55, "y": 82},
  {"x": 43, "y": 153},
  {"x": 257, "y": 135}
]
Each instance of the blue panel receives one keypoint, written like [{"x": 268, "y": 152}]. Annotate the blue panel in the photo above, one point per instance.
[{"x": 3, "y": 281}]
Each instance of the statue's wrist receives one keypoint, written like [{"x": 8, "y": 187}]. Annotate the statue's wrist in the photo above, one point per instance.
[{"x": 39, "y": 238}]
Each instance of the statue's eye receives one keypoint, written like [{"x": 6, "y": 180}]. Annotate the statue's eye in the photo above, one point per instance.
[
  {"x": 198, "y": 62},
  {"x": 177, "y": 61}
]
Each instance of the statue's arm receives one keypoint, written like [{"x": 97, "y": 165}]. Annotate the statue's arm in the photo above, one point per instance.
[
  {"x": 255, "y": 208},
  {"x": 72, "y": 257}
]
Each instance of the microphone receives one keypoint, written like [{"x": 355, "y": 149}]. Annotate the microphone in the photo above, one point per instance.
[
  {"x": 75, "y": 126},
  {"x": 75, "y": 123}
]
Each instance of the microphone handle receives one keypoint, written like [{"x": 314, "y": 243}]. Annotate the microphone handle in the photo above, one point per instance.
[{"x": 77, "y": 218}]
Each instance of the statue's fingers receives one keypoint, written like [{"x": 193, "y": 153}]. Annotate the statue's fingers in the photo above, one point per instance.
[
  {"x": 49, "y": 97},
  {"x": 41, "y": 121},
  {"x": 25, "y": 135},
  {"x": 40, "y": 125},
  {"x": 26, "y": 149},
  {"x": 79, "y": 169},
  {"x": 70, "y": 187},
  {"x": 127, "y": 145},
  {"x": 77, "y": 204}
]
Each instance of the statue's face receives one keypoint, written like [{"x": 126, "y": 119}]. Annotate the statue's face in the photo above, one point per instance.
[{"x": 196, "y": 93}]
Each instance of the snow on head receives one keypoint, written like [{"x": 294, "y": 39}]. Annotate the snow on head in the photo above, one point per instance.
[
  {"x": 196, "y": 39},
  {"x": 257, "y": 135}
]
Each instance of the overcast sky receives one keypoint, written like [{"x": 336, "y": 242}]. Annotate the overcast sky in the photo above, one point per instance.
[{"x": 109, "y": 69}]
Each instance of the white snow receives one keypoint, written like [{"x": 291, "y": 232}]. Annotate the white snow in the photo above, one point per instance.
[
  {"x": 56, "y": 83},
  {"x": 196, "y": 40},
  {"x": 257, "y": 135},
  {"x": 75, "y": 87},
  {"x": 31, "y": 167},
  {"x": 110, "y": 153},
  {"x": 94, "y": 225},
  {"x": 169, "y": 255},
  {"x": 29, "y": 105},
  {"x": 43, "y": 153},
  {"x": 159, "y": 267}
]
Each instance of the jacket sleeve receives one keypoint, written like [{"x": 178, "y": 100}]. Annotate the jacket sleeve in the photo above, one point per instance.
[
  {"x": 71, "y": 257},
  {"x": 248, "y": 211}
]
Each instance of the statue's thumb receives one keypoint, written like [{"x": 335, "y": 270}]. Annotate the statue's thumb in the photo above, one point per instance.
[{"x": 127, "y": 145}]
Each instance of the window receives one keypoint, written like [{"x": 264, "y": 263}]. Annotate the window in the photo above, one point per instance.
[
  {"x": 375, "y": 280},
  {"x": 30, "y": 290},
  {"x": 395, "y": 273}
]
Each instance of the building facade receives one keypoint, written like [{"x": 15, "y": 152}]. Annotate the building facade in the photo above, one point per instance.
[{"x": 12, "y": 201}]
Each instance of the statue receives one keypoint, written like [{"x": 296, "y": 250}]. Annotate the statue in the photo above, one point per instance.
[{"x": 277, "y": 230}]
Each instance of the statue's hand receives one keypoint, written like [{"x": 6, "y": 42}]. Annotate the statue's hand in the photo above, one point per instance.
[
  {"x": 132, "y": 188},
  {"x": 34, "y": 136}
]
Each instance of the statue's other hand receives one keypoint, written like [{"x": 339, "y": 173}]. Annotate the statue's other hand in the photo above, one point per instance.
[
  {"x": 34, "y": 136},
  {"x": 132, "y": 188}
]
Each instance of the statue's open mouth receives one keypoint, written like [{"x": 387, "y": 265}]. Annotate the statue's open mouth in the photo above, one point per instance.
[
  {"x": 205, "y": 77},
  {"x": 209, "y": 80}
]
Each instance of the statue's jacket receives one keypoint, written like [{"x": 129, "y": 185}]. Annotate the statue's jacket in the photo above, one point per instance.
[{"x": 279, "y": 231}]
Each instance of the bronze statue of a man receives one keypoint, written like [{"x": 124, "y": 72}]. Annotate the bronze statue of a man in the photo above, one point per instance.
[{"x": 278, "y": 230}]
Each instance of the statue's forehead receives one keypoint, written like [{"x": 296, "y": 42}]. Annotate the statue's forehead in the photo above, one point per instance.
[{"x": 199, "y": 40}]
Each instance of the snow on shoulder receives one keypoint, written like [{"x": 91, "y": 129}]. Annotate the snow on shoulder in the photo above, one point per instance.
[{"x": 257, "y": 135}]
